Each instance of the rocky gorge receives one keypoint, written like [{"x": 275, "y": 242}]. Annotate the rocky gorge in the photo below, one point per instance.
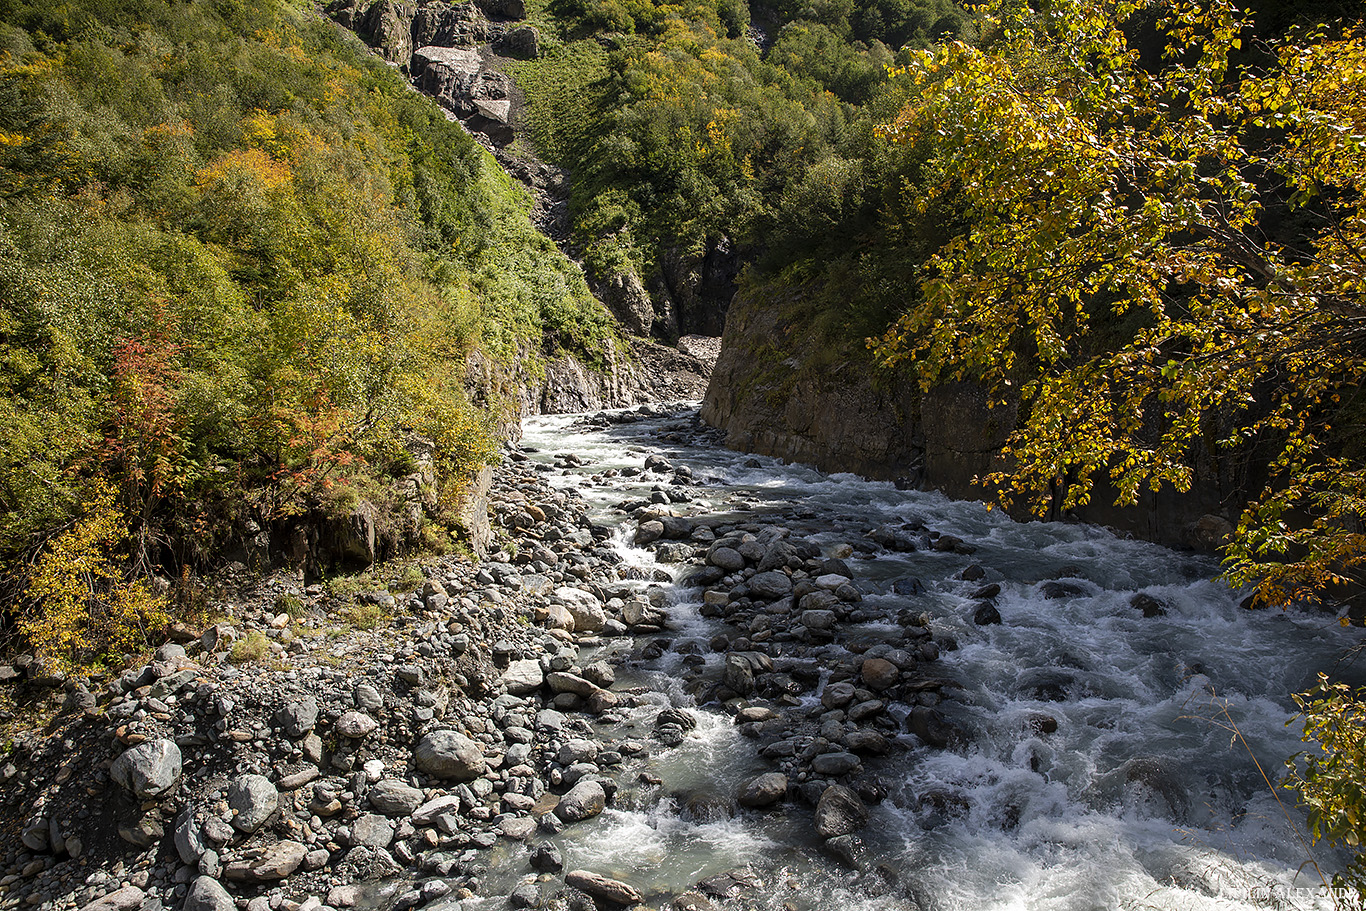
[{"x": 684, "y": 678}]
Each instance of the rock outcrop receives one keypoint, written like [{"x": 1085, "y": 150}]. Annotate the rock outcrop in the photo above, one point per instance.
[{"x": 778, "y": 389}]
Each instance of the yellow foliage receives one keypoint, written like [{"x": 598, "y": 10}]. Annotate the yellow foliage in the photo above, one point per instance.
[
  {"x": 81, "y": 607},
  {"x": 252, "y": 164}
]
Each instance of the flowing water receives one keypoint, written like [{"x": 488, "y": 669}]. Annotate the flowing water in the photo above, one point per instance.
[{"x": 1148, "y": 795}]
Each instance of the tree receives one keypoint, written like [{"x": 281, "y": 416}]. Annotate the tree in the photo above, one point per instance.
[{"x": 1162, "y": 256}]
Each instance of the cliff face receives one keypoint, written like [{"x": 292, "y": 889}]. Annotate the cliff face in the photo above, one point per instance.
[{"x": 778, "y": 389}]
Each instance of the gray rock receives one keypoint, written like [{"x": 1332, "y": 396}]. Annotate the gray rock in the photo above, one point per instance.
[
  {"x": 523, "y": 677},
  {"x": 367, "y": 698},
  {"x": 763, "y": 791},
  {"x": 253, "y": 799},
  {"x": 818, "y": 619},
  {"x": 611, "y": 890},
  {"x": 372, "y": 831},
  {"x": 726, "y": 558},
  {"x": 356, "y": 725},
  {"x": 648, "y": 532},
  {"x": 275, "y": 862},
  {"x": 394, "y": 798},
  {"x": 832, "y": 764},
  {"x": 189, "y": 841},
  {"x": 298, "y": 718},
  {"x": 839, "y": 812},
  {"x": 432, "y": 810},
  {"x": 586, "y": 799},
  {"x": 547, "y": 858},
  {"x": 770, "y": 585},
  {"x": 577, "y": 750},
  {"x": 149, "y": 769},
  {"x": 206, "y": 894},
  {"x": 584, "y": 607},
  {"x": 450, "y": 755},
  {"x": 129, "y": 898}
]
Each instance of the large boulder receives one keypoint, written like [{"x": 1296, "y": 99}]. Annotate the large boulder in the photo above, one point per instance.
[
  {"x": 610, "y": 890},
  {"x": 149, "y": 769},
  {"x": 763, "y": 791},
  {"x": 252, "y": 799},
  {"x": 840, "y": 811},
  {"x": 450, "y": 755},
  {"x": 206, "y": 894},
  {"x": 584, "y": 800},
  {"x": 587, "y": 611}
]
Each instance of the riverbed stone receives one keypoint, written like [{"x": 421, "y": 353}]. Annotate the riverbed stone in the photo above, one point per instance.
[
  {"x": 252, "y": 799},
  {"x": 586, "y": 609},
  {"x": 879, "y": 674},
  {"x": 524, "y": 677},
  {"x": 372, "y": 831},
  {"x": 726, "y": 558},
  {"x": 586, "y": 799},
  {"x": 356, "y": 725},
  {"x": 598, "y": 886},
  {"x": 840, "y": 811},
  {"x": 297, "y": 718},
  {"x": 394, "y": 798},
  {"x": 207, "y": 894},
  {"x": 763, "y": 791},
  {"x": 276, "y": 862},
  {"x": 149, "y": 769},
  {"x": 450, "y": 755},
  {"x": 770, "y": 585}
]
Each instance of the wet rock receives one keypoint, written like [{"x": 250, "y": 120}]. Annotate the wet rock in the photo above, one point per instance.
[
  {"x": 726, "y": 558},
  {"x": 648, "y": 532},
  {"x": 601, "y": 887},
  {"x": 450, "y": 755},
  {"x": 586, "y": 799},
  {"x": 840, "y": 811},
  {"x": 986, "y": 615},
  {"x": 879, "y": 674},
  {"x": 149, "y": 769},
  {"x": 1056, "y": 590},
  {"x": 252, "y": 799},
  {"x": 1150, "y": 606},
  {"x": 763, "y": 791},
  {"x": 930, "y": 726},
  {"x": 830, "y": 765},
  {"x": 547, "y": 858},
  {"x": 770, "y": 585}
]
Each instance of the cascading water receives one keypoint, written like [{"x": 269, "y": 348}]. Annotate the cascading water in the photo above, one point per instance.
[{"x": 1108, "y": 759}]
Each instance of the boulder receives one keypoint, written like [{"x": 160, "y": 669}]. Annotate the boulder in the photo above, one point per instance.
[
  {"x": 149, "y": 769},
  {"x": 356, "y": 725},
  {"x": 523, "y": 677},
  {"x": 763, "y": 791},
  {"x": 840, "y": 811},
  {"x": 206, "y": 894},
  {"x": 584, "y": 607},
  {"x": 252, "y": 799},
  {"x": 394, "y": 798},
  {"x": 450, "y": 755},
  {"x": 601, "y": 887},
  {"x": 586, "y": 799},
  {"x": 297, "y": 718},
  {"x": 770, "y": 585},
  {"x": 275, "y": 862},
  {"x": 129, "y": 898}
]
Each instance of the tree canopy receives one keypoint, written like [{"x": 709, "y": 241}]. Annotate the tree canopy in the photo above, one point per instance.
[{"x": 1163, "y": 256}]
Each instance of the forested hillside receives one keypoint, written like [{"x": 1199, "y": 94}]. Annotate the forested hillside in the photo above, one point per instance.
[{"x": 241, "y": 266}]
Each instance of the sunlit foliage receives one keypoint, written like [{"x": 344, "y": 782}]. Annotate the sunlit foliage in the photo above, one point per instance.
[{"x": 1161, "y": 256}]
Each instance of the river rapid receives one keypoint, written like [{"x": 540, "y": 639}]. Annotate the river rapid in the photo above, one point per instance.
[{"x": 1102, "y": 758}]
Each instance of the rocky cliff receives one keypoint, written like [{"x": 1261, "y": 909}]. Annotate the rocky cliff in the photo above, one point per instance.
[{"x": 781, "y": 388}]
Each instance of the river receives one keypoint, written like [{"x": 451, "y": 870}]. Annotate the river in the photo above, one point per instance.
[{"x": 1147, "y": 795}]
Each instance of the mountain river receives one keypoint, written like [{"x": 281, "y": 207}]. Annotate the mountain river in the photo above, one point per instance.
[{"x": 1147, "y": 794}]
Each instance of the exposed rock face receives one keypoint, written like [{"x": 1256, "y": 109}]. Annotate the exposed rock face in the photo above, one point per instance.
[
  {"x": 775, "y": 391},
  {"x": 693, "y": 291}
]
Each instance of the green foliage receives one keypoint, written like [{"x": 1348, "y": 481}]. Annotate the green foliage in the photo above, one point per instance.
[
  {"x": 250, "y": 648},
  {"x": 1330, "y": 780},
  {"x": 241, "y": 263}
]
